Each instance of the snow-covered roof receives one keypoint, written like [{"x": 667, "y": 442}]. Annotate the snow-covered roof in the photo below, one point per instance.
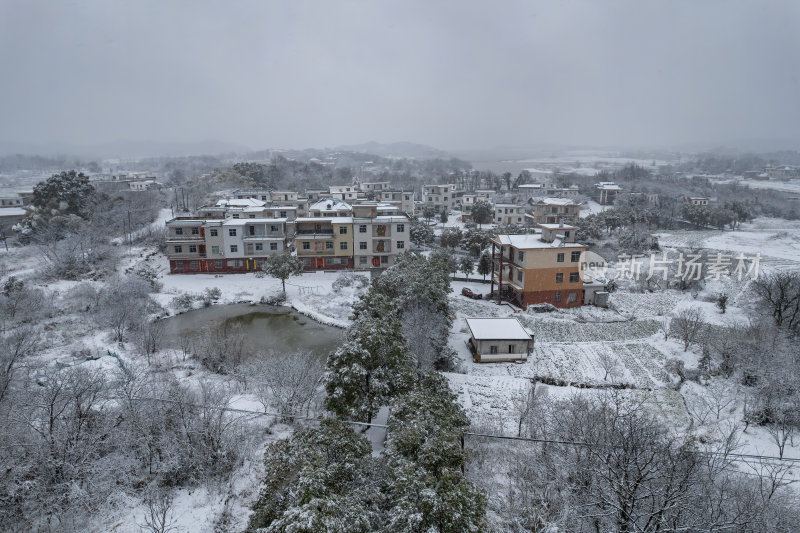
[
  {"x": 607, "y": 186},
  {"x": 497, "y": 329},
  {"x": 332, "y": 220},
  {"x": 329, "y": 204},
  {"x": 12, "y": 212},
  {"x": 557, "y": 226},
  {"x": 243, "y": 221},
  {"x": 241, "y": 202},
  {"x": 528, "y": 242},
  {"x": 556, "y": 201}
]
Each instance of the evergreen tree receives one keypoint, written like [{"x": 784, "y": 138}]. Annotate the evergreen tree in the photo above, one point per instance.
[
  {"x": 424, "y": 458},
  {"x": 282, "y": 266},
  {"x": 481, "y": 212},
  {"x": 371, "y": 366},
  {"x": 315, "y": 481},
  {"x": 466, "y": 265},
  {"x": 420, "y": 233},
  {"x": 484, "y": 265},
  {"x": 67, "y": 193}
]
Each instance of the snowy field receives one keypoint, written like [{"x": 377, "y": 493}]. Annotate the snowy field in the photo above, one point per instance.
[{"x": 578, "y": 346}]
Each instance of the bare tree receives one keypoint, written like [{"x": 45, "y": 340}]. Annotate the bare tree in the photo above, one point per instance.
[
  {"x": 159, "y": 517},
  {"x": 687, "y": 326},
  {"x": 780, "y": 292},
  {"x": 14, "y": 348},
  {"x": 289, "y": 382},
  {"x": 610, "y": 366}
]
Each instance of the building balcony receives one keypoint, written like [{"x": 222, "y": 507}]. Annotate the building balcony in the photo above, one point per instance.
[
  {"x": 314, "y": 253},
  {"x": 185, "y": 238},
  {"x": 314, "y": 233}
]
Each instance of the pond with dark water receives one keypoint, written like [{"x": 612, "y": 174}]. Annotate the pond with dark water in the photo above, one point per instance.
[{"x": 265, "y": 327}]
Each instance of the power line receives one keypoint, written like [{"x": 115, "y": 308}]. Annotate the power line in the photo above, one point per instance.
[{"x": 738, "y": 457}]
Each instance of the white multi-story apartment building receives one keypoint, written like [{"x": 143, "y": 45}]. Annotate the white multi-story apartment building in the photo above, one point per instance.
[
  {"x": 348, "y": 193},
  {"x": 440, "y": 197},
  {"x": 402, "y": 199},
  {"x": 330, "y": 207},
  {"x": 509, "y": 214},
  {"x": 231, "y": 245},
  {"x": 374, "y": 186},
  {"x": 378, "y": 239}
]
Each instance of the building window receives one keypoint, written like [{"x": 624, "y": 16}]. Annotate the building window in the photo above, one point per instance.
[
  {"x": 234, "y": 248},
  {"x": 343, "y": 261},
  {"x": 520, "y": 256},
  {"x": 401, "y": 245},
  {"x": 218, "y": 264},
  {"x": 510, "y": 348},
  {"x": 329, "y": 245},
  {"x": 192, "y": 265},
  {"x": 384, "y": 259},
  {"x": 259, "y": 246},
  {"x": 195, "y": 231},
  {"x": 401, "y": 228},
  {"x": 306, "y": 245},
  {"x": 178, "y": 265},
  {"x": 560, "y": 258},
  {"x": 492, "y": 349},
  {"x": 558, "y": 297},
  {"x": 273, "y": 228},
  {"x": 215, "y": 249},
  {"x": 573, "y": 277},
  {"x": 559, "y": 277},
  {"x": 213, "y": 232},
  {"x": 362, "y": 260},
  {"x": 572, "y": 297},
  {"x": 575, "y": 257},
  {"x": 343, "y": 246},
  {"x": 192, "y": 248},
  {"x": 519, "y": 276},
  {"x": 566, "y": 234},
  {"x": 236, "y": 215},
  {"x": 342, "y": 230},
  {"x": 251, "y": 216},
  {"x": 178, "y": 231},
  {"x": 283, "y": 214},
  {"x": 273, "y": 246},
  {"x": 362, "y": 246},
  {"x": 362, "y": 228},
  {"x": 178, "y": 249},
  {"x": 232, "y": 232},
  {"x": 307, "y": 261},
  {"x": 235, "y": 263}
]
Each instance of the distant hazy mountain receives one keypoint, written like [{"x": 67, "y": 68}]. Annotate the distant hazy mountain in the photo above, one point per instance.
[
  {"x": 123, "y": 148},
  {"x": 398, "y": 149}
]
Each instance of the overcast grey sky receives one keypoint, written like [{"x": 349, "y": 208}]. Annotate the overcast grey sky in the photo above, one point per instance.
[{"x": 451, "y": 74}]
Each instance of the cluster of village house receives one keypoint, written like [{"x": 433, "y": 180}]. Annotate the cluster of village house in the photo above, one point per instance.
[{"x": 328, "y": 232}]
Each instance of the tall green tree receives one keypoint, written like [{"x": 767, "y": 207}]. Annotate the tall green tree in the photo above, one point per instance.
[
  {"x": 484, "y": 265},
  {"x": 424, "y": 459},
  {"x": 371, "y": 366},
  {"x": 315, "y": 481},
  {"x": 66, "y": 193},
  {"x": 481, "y": 212}
]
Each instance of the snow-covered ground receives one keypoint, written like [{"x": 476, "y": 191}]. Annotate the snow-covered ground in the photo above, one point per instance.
[{"x": 571, "y": 345}]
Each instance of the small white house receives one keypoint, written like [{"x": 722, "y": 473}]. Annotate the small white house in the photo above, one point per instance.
[{"x": 499, "y": 339}]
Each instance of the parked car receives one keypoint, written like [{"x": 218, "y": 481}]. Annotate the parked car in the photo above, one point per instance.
[{"x": 469, "y": 294}]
